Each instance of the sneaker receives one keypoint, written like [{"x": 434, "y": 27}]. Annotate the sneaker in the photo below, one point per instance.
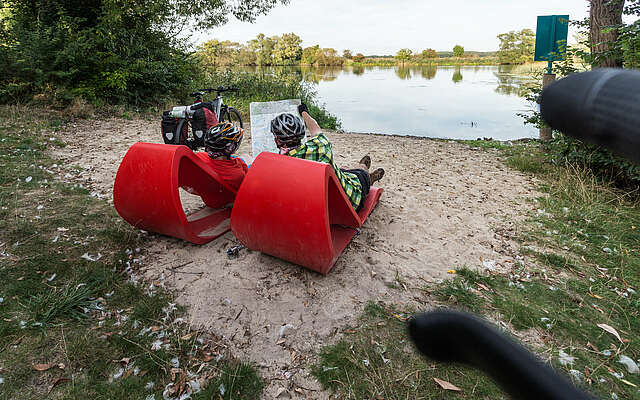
[
  {"x": 376, "y": 175},
  {"x": 366, "y": 160}
]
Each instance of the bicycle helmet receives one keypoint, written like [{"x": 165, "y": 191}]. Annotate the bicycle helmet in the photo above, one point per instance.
[
  {"x": 288, "y": 129},
  {"x": 223, "y": 139}
]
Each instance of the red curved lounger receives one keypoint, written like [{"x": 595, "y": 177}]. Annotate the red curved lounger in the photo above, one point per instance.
[
  {"x": 145, "y": 192},
  {"x": 296, "y": 210}
]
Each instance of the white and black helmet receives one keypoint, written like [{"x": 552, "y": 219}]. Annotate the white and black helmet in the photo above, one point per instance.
[{"x": 288, "y": 129}]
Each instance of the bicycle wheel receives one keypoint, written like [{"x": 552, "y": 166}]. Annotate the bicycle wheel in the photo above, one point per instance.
[
  {"x": 182, "y": 132},
  {"x": 231, "y": 115}
]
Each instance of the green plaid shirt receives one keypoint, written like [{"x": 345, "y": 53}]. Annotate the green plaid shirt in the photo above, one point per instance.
[{"x": 318, "y": 148}]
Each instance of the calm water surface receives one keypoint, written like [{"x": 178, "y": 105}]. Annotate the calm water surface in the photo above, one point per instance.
[{"x": 440, "y": 102}]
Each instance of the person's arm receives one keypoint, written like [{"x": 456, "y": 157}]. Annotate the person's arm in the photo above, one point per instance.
[{"x": 312, "y": 125}]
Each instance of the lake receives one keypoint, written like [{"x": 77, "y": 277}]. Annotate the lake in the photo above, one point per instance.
[{"x": 465, "y": 102}]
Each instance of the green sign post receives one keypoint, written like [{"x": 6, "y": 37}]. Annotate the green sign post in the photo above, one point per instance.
[{"x": 551, "y": 39}]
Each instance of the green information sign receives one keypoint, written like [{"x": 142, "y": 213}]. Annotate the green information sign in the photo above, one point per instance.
[{"x": 551, "y": 38}]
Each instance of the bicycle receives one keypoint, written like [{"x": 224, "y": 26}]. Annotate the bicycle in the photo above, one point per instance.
[{"x": 183, "y": 118}]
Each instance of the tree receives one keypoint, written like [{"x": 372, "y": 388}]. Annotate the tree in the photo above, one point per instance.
[
  {"x": 429, "y": 54},
  {"x": 359, "y": 58},
  {"x": 605, "y": 17},
  {"x": 347, "y": 54},
  {"x": 263, "y": 47},
  {"x": 328, "y": 57},
  {"x": 215, "y": 53},
  {"x": 404, "y": 55},
  {"x": 516, "y": 47},
  {"x": 309, "y": 55},
  {"x": 458, "y": 51},
  {"x": 287, "y": 49}
]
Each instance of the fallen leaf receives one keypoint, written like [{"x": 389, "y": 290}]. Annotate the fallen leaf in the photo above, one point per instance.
[
  {"x": 483, "y": 287},
  {"x": 611, "y": 330},
  {"x": 57, "y": 381},
  {"x": 446, "y": 385},
  {"x": 155, "y": 328},
  {"x": 124, "y": 360},
  {"x": 43, "y": 367},
  {"x": 349, "y": 331},
  {"x": 175, "y": 372},
  {"x": 592, "y": 347},
  {"x": 188, "y": 336},
  {"x": 21, "y": 278},
  {"x": 128, "y": 373},
  {"x": 142, "y": 373},
  {"x": 627, "y": 382}
]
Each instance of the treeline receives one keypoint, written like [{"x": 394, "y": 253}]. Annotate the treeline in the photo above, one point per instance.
[
  {"x": 287, "y": 50},
  {"x": 267, "y": 51}
]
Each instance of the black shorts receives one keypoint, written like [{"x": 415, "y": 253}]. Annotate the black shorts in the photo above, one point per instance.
[{"x": 365, "y": 182}]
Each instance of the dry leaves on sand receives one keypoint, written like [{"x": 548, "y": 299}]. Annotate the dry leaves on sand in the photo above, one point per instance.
[
  {"x": 611, "y": 330},
  {"x": 447, "y": 385}
]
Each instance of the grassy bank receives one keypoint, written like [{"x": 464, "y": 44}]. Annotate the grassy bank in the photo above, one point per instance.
[
  {"x": 583, "y": 235},
  {"x": 443, "y": 61},
  {"x": 77, "y": 319}
]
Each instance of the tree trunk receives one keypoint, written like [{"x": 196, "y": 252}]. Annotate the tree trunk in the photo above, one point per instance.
[{"x": 605, "y": 14}]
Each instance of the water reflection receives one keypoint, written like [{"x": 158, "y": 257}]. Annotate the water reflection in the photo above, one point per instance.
[
  {"x": 403, "y": 72},
  {"x": 428, "y": 72},
  {"x": 511, "y": 84},
  {"x": 457, "y": 75},
  {"x": 358, "y": 70}
]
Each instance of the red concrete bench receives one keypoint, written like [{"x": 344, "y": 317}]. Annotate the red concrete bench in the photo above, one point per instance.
[
  {"x": 146, "y": 194},
  {"x": 296, "y": 210}
]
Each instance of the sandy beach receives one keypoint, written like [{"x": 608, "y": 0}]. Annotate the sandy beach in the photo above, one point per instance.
[{"x": 445, "y": 206}]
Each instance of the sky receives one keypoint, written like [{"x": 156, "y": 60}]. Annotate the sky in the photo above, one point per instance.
[{"x": 383, "y": 27}]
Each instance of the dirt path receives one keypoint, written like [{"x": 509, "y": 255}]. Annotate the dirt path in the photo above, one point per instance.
[{"x": 445, "y": 206}]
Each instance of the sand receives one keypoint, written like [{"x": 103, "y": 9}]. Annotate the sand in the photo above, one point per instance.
[{"x": 445, "y": 206}]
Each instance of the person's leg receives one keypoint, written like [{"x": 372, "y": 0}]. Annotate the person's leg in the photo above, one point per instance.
[{"x": 365, "y": 164}]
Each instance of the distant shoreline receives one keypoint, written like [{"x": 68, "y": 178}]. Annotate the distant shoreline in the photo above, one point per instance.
[{"x": 470, "y": 63}]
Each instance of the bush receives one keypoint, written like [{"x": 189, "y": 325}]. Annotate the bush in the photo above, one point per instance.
[
  {"x": 268, "y": 86},
  {"x": 95, "y": 51},
  {"x": 600, "y": 161}
]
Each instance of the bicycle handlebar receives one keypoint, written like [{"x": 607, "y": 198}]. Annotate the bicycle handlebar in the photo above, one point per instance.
[
  {"x": 220, "y": 89},
  {"x": 450, "y": 336}
]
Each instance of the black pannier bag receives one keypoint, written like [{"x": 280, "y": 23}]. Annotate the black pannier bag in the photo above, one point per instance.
[
  {"x": 169, "y": 127},
  {"x": 203, "y": 119}
]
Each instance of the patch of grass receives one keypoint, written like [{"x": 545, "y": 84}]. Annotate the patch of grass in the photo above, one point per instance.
[
  {"x": 237, "y": 381},
  {"x": 66, "y": 302},
  {"x": 70, "y": 292},
  {"x": 486, "y": 144},
  {"x": 375, "y": 359},
  {"x": 585, "y": 233}
]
